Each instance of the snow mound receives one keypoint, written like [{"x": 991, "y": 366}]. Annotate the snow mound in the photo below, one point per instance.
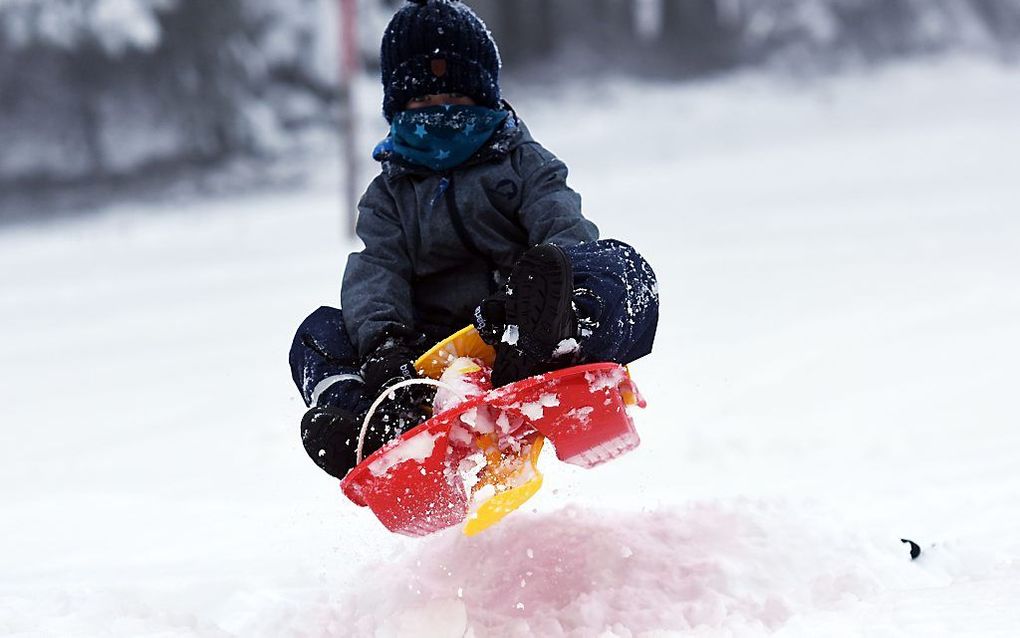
[{"x": 742, "y": 566}]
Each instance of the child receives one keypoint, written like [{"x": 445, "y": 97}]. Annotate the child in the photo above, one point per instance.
[{"x": 470, "y": 221}]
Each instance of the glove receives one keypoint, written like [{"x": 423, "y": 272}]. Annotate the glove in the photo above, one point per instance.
[
  {"x": 490, "y": 318},
  {"x": 391, "y": 362}
]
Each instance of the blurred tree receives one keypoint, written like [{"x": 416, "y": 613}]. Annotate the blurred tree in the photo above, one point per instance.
[
  {"x": 526, "y": 23},
  {"x": 689, "y": 37},
  {"x": 1002, "y": 18},
  {"x": 104, "y": 87},
  {"x": 697, "y": 38}
]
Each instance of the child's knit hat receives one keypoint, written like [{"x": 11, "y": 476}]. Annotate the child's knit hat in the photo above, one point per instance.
[{"x": 438, "y": 46}]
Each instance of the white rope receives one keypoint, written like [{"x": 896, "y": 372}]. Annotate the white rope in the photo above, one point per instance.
[{"x": 388, "y": 394}]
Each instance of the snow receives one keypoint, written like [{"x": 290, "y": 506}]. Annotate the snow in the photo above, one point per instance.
[
  {"x": 114, "y": 24},
  {"x": 599, "y": 381},
  {"x": 462, "y": 379},
  {"x": 835, "y": 370},
  {"x": 582, "y": 415},
  {"x": 511, "y": 334},
  {"x": 706, "y": 565},
  {"x": 470, "y": 468},
  {"x": 534, "y": 410},
  {"x": 565, "y": 347},
  {"x": 417, "y": 448}
]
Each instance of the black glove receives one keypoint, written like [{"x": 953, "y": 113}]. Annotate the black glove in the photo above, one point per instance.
[
  {"x": 392, "y": 361},
  {"x": 490, "y": 318}
]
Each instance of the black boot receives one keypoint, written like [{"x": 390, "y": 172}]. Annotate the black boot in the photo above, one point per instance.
[
  {"x": 539, "y": 304},
  {"x": 330, "y": 435}
]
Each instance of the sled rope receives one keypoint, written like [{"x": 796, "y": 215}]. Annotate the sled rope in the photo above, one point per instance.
[{"x": 388, "y": 394}]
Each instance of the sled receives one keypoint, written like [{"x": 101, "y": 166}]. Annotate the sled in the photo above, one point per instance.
[{"x": 444, "y": 473}]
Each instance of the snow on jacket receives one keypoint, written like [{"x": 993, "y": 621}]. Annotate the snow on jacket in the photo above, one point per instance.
[{"x": 437, "y": 244}]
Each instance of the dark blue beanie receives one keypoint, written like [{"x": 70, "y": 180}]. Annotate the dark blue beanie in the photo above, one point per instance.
[{"x": 438, "y": 46}]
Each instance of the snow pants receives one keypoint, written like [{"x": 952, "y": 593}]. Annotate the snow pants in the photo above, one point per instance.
[{"x": 615, "y": 294}]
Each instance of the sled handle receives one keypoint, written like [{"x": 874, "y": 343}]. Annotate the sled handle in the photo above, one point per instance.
[{"x": 388, "y": 394}]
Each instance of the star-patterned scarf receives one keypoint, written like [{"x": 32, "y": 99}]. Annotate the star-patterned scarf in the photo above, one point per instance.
[{"x": 443, "y": 137}]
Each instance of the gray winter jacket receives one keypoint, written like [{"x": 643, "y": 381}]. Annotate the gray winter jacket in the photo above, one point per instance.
[{"x": 437, "y": 244}]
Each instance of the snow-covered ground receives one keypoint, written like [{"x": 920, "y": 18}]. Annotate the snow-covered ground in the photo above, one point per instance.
[{"x": 836, "y": 369}]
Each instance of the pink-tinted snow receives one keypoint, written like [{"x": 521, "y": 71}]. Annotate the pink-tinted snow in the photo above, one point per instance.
[{"x": 736, "y": 566}]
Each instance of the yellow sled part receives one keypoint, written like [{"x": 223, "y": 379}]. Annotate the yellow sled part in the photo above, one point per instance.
[
  {"x": 465, "y": 343},
  {"x": 502, "y": 471}
]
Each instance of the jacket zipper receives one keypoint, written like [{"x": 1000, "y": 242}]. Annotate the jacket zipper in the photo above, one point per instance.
[{"x": 446, "y": 186}]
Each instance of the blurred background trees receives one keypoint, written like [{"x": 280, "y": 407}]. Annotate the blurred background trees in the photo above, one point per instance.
[
  {"x": 97, "y": 88},
  {"x": 91, "y": 88},
  {"x": 677, "y": 38}
]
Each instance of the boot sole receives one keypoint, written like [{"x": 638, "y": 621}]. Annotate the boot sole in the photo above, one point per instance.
[{"x": 542, "y": 285}]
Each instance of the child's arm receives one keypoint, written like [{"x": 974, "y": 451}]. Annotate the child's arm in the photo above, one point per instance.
[
  {"x": 551, "y": 210},
  {"x": 376, "y": 293}
]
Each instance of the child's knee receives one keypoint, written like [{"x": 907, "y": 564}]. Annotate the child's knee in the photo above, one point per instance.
[
  {"x": 324, "y": 334},
  {"x": 617, "y": 299}
]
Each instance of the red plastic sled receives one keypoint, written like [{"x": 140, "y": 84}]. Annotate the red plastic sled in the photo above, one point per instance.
[{"x": 412, "y": 484}]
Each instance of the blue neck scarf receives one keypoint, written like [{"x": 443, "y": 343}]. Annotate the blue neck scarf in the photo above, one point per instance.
[{"x": 443, "y": 137}]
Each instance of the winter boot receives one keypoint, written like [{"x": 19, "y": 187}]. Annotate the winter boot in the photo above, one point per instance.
[
  {"x": 330, "y": 434},
  {"x": 330, "y": 437},
  {"x": 540, "y": 317}
]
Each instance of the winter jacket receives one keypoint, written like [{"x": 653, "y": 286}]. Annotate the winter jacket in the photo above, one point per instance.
[{"x": 437, "y": 244}]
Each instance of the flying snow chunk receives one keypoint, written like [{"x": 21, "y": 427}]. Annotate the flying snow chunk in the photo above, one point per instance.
[
  {"x": 511, "y": 335},
  {"x": 417, "y": 448},
  {"x": 534, "y": 410},
  {"x": 565, "y": 347}
]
